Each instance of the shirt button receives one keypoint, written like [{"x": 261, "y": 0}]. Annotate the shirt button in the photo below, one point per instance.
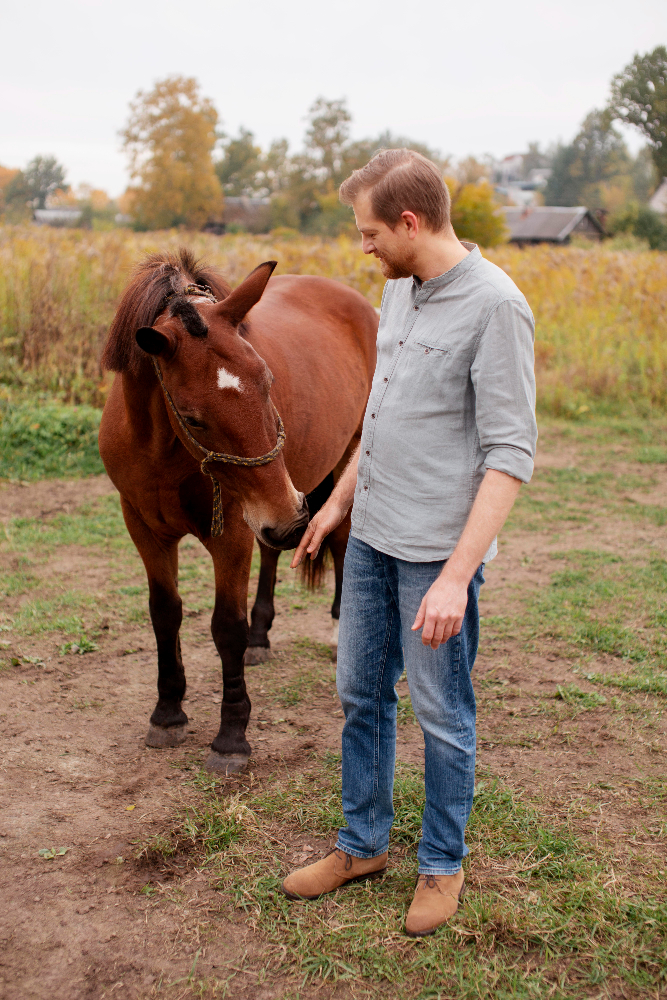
[
  {"x": 416, "y": 308},
  {"x": 400, "y": 343},
  {"x": 386, "y": 380},
  {"x": 372, "y": 416},
  {"x": 426, "y": 350},
  {"x": 368, "y": 452},
  {"x": 365, "y": 487}
]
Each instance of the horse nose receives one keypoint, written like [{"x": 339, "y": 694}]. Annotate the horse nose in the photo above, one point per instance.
[{"x": 288, "y": 536}]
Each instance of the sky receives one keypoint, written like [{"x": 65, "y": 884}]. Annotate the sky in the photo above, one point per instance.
[{"x": 472, "y": 78}]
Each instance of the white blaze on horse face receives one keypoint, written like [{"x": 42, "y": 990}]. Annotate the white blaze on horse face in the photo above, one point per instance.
[{"x": 228, "y": 381}]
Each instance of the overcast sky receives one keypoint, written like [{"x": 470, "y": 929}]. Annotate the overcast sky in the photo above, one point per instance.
[{"x": 471, "y": 77}]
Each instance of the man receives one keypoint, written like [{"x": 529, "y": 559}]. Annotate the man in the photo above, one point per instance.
[{"x": 449, "y": 436}]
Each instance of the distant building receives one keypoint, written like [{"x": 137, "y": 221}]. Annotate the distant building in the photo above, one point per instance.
[
  {"x": 515, "y": 184},
  {"x": 551, "y": 224},
  {"x": 57, "y": 216},
  {"x": 252, "y": 215},
  {"x": 658, "y": 200}
]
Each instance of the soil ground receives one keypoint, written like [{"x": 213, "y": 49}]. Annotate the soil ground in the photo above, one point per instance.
[{"x": 77, "y": 778}]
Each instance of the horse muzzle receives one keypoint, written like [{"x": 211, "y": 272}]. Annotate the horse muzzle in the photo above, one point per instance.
[{"x": 287, "y": 536}]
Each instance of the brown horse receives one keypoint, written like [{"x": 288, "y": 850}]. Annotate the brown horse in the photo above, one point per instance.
[{"x": 192, "y": 436}]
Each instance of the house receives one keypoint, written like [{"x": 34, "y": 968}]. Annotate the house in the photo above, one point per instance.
[
  {"x": 252, "y": 215},
  {"x": 658, "y": 200},
  {"x": 516, "y": 185},
  {"x": 551, "y": 224},
  {"x": 57, "y": 216}
]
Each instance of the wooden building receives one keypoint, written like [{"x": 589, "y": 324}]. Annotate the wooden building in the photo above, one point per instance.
[{"x": 551, "y": 224}]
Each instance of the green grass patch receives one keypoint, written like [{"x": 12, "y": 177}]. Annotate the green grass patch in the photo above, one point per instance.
[
  {"x": 652, "y": 455},
  {"x": 58, "y": 614},
  {"x": 43, "y": 440},
  {"x": 99, "y": 522},
  {"x": 19, "y": 582},
  {"x": 601, "y": 603},
  {"x": 543, "y": 917},
  {"x": 573, "y": 695}
]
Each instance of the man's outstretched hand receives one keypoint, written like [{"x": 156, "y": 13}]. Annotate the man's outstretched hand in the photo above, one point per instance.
[
  {"x": 441, "y": 611},
  {"x": 324, "y": 522}
]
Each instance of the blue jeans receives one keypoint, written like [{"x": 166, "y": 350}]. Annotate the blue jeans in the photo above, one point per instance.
[{"x": 381, "y": 596}]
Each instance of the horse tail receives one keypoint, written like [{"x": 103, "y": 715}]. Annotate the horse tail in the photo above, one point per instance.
[{"x": 313, "y": 570}]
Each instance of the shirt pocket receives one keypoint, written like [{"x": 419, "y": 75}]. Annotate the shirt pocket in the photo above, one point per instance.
[{"x": 429, "y": 348}]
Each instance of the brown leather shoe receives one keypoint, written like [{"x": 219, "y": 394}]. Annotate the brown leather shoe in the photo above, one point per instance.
[
  {"x": 436, "y": 900},
  {"x": 332, "y": 871}
]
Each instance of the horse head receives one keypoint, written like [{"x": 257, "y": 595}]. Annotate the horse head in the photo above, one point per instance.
[{"x": 219, "y": 389}]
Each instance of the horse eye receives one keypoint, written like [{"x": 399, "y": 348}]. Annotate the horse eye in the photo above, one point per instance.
[{"x": 191, "y": 422}]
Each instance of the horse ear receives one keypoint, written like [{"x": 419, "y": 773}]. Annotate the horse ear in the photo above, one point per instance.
[
  {"x": 152, "y": 341},
  {"x": 239, "y": 302}
]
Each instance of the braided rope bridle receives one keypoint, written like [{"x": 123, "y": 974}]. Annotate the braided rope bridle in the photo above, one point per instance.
[{"x": 217, "y": 521}]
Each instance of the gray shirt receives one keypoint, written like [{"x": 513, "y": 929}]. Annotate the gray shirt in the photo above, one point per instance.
[{"x": 453, "y": 395}]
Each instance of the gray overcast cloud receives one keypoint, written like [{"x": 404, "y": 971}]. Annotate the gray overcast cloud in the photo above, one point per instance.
[{"x": 465, "y": 78}]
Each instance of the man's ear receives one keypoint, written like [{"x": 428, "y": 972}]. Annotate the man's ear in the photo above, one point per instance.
[
  {"x": 153, "y": 342},
  {"x": 239, "y": 302}
]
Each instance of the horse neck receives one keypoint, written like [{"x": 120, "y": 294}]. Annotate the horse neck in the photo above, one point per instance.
[{"x": 146, "y": 406}]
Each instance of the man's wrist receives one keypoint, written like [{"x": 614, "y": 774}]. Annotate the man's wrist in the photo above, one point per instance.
[{"x": 457, "y": 571}]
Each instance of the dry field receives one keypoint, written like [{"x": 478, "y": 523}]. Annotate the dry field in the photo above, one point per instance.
[
  {"x": 129, "y": 873},
  {"x": 600, "y": 315}
]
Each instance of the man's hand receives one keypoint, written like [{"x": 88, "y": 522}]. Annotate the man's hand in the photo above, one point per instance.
[
  {"x": 326, "y": 519},
  {"x": 444, "y": 605},
  {"x": 441, "y": 611}
]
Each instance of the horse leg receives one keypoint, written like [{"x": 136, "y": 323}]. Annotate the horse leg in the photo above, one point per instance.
[
  {"x": 168, "y": 721},
  {"x": 231, "y": 555},
  {"x": 337, "y": 542},
  {"x": 261, "y": 617}
]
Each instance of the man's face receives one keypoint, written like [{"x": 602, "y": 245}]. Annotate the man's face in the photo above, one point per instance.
[{"x": 393, "y": 247}]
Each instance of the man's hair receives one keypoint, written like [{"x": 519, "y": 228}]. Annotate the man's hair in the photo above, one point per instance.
[{"x": 400, "y": 180}]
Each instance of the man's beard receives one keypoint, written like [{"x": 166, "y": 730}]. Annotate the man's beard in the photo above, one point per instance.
[{"x": 393, "y": 267}]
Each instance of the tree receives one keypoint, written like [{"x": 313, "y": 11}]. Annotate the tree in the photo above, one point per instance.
[
  {"x": 642, "y": 222},
  {"x": 239, "y": 169},
  {"x": 475, "y": 213},
  {"x": 44, "y": 176},
  {"x": 639, "y": 97},
  {"x": 326, "y": 137},
  {"x": 7, "y": 175},
  {"x": 170, "y": 136},
  {"x": 582, "y": 171}
]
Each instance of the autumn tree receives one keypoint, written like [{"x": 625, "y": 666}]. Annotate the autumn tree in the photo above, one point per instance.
[
  {"x": 639, "y": 97},
  {"x": 475, "y": 213},
  {"x": 170, "y": 136}
]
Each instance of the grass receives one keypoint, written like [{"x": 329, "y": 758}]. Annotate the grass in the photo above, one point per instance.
[
  {"x": 543, "y": 917},
  {"x": 98, "y": 522},
  {"x": 599, "y": 313},
  {"x": 603, "y": 604},
  {"x": 38, "y": 441}
]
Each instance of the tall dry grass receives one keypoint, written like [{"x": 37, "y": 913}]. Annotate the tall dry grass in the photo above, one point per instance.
[{"x": 600, "y": 314}]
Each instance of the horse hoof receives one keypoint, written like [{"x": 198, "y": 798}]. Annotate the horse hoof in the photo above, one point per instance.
[
  {"x": 226, "y": 763},
  {"x": 170, "y": 736},
  {"x": 257, "y": 654}
]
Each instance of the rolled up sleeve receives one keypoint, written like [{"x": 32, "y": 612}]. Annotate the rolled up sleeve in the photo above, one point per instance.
[{"x": 503, "y": 377}]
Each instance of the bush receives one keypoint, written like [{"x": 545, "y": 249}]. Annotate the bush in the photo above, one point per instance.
[{"x": 643, "y": 223}]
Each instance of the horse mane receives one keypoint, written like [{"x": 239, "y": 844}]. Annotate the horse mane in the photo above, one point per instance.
[{"x": 154, "y": 279}]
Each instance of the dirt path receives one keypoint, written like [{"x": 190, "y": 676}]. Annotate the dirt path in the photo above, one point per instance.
[{"x": 77, "y": 778}]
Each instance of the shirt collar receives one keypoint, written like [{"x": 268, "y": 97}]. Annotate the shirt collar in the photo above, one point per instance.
[{"x": 464, "y": 265}]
